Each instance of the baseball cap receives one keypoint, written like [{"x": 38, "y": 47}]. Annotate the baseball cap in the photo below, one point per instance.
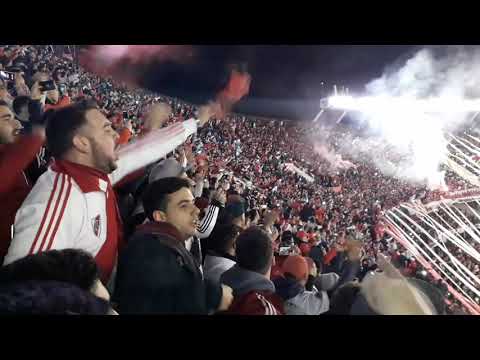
[
  {"x": 327, "y": 281},
  {"x": 166, "y": 168},
  {"x": 301, "y": 235},
  {"x": 297, "y": 266}
]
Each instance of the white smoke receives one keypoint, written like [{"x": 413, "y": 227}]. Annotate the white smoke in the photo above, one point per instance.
[
  {"x": 447, "y": 72},
  {"x": 335, "y": 161}
]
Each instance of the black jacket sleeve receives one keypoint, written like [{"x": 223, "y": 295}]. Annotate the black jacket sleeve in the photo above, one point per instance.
[
  {"x": 337, "y": 263},
  {"x": 213, "y": 293},
  {"x": 310, "y": 283},
  {"x": 349, "y": 272},
  {"x": 36, "y": 112},
  {"x": 147, "y": 280}
]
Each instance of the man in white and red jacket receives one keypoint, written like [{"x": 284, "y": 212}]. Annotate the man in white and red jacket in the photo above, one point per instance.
[{"x": 73, "y": 204}]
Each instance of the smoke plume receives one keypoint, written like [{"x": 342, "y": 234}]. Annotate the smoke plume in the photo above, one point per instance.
[
  {"x": 129, "y": 62},
  {"x": 237, "y": 87},
  {"x": 415, "y": 140},
  {"x": 335, "y": 161}
]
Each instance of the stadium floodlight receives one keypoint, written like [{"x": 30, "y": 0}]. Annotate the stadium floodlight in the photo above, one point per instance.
[
  {"x": 323, "y": 106},
  {"x": 324, "y": 103},
  {"x": 447, "y": 104}
]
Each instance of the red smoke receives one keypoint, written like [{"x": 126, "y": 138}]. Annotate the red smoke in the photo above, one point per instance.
[
  {"x": 127, "y": 62},
  {"x": 237, "y": 87}
]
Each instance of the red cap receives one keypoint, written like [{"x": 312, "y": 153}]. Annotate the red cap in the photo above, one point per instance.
[
  {"x": 305, "y": 248},
  {"x": 296, "y": 266}
]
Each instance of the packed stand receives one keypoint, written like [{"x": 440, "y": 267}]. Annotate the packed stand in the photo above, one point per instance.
[{"x": 180, "y": 211}]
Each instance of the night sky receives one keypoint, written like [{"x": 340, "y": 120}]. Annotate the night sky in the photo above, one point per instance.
[{"x": 286, "y": 79}]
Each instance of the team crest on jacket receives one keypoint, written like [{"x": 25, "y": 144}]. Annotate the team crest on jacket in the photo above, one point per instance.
[{"x": 97, "y": 226}]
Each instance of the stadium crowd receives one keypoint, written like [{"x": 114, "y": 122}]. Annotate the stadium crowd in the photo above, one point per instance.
[{"x": 119, "y": 200}]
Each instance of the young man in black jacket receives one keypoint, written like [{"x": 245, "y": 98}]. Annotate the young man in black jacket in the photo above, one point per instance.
[{"x": 156, "y": 273}]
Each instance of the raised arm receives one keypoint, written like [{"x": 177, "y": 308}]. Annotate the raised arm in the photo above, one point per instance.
[
  {"x": 152, "y": 147},
  {"x": 17, "y": 156},
  {"x": 157, "y": 144}
]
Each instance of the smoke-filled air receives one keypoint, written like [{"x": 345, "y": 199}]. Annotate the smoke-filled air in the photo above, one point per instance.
[{"x": 410, "y": 108}]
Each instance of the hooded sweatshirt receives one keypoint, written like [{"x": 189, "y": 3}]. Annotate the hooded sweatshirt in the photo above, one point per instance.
[
  {"x": 299, "y": 301},
  {"x": 216, "y": 264},
  {"x": 253, "y": 293}
]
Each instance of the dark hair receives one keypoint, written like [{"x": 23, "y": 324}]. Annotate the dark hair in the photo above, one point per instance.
[
  {"x": 254, "y": 250},
  {"x": 287, "y": 237},
  {"x": 19, "y": 103},
  {"x": 206, "y": 193},
  {"x": 50, "y": 297},
  {"x": 223, "y": 238},
  {"x": 251, "y": 214},
  {"x": 235, "y": 209},
  {"x": 71, "y": 266},
  {"x": 62, "y": 125},
  {"x": 156, "y": 194}
]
